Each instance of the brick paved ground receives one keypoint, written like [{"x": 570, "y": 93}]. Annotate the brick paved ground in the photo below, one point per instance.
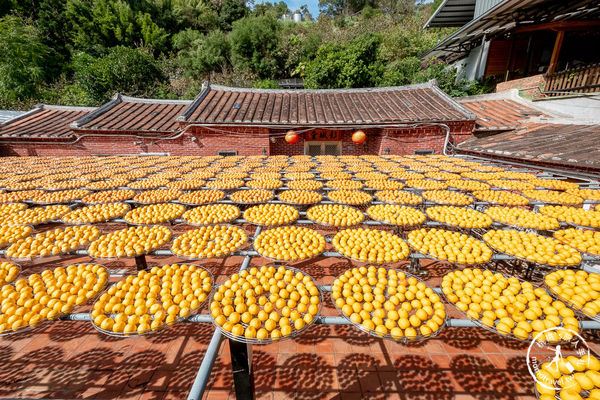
[{"x": 72, "y": 360}]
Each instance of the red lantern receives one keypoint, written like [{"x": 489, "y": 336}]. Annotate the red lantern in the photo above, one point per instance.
[
  {"x": 359, "y": 137},
  {"x": 292, "y": 137}
]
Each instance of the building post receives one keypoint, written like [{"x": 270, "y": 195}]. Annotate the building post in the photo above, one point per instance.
[{"x": 560, "y": 35}]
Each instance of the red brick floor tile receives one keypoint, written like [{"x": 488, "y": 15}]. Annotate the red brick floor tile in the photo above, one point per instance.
[
  {"x": 327, "y": 360},
  {"x": 103, "y": 394},
  {"x": 498, "y": 360},
  {"x": 217, "y": 395},
  {"x": 152, "y": 395},
  {"x": 488, "y": 346},
  {"x": 434, "y": 346},
  {"x": 263, "y": 395},
  {"x": 340, "y": 346},
  {"x": 369, "y": 382},
  {"x": 383, "y": 361},
  {"x": 441, "y": 360},
  {"x": 351, "y": 396},
  {"x": 305, "y": 347},
  {"x": 282, "y": 395},
  {"x": 130, "y": 394},
  {"x": 377, "y": 347},
  {"x": 285, "y": 379},
  {"x": 348, "y": 380},
  {"x": 177, "y": 395},
  {"x": 324, "y": 347},
  {"x": 388, "y": 380},
  {"x": 282, "y": 358},
  {"x": 288, "y": 346},
  {"x": 270, "y": 348}
]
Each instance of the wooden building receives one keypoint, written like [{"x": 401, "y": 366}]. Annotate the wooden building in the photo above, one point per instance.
[{"x": 504, "y": 40}]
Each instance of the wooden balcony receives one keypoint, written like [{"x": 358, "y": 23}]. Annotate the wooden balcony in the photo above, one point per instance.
[{"x": 585, "y": 79}]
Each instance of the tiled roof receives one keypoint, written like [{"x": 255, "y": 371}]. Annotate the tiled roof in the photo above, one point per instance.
[
  {"x": 5, "y": 115},
  {"x": 44, "y": 121},
  {"x": 571, "y": 145},
  {"x": 129, "y": 114},
  {"x": 375, "y": 106},
  {"x": 498, "y": 114}
]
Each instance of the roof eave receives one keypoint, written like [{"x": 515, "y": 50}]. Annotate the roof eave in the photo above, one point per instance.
[
  {"x": 36, "y": 109},
  {"x": 436, "y": 13},
  {"x": 187, "y": 113},
  {"x": 117, "y": 98}
]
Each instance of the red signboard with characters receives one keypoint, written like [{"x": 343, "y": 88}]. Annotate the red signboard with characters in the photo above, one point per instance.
[{"x": 322, "y": 134}]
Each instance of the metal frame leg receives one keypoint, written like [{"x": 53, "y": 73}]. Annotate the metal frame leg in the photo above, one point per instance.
[
  {"x": 241, "y": 367},
  {"x": 415, "y": 266},
  {"x": 140, "y": 262}
]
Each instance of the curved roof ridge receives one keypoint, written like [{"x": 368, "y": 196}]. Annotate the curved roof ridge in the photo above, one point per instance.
[{"x": 425, "y": 85}]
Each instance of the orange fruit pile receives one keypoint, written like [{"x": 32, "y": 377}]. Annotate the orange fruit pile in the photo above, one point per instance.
[
  {"x": 209, "y": 241},
  {"x": 47, "y": 296},
  {"x": 522, "y": 218},
  {"x": 509, "y": 306},
  {"x": 387, "y": 303},
  {"x": 289, "y": 243},
  {"x": 396, "y": 215},
  {"x": 579, "y": 289},
  {"x": 152, "y": 300},
  {"x": 532, "y": 247},
  {"x": 129, "y": 242},
  {"x": 53, "y": 242},
  {"x": 154, "y": 213},
  {"x": 266, "y": 304},
  {"x": 587, "y": 241},
  {"x": 450, "y": 246},
  {"x": 335, "y": 215},
  {"x": 95, "y": 213},
  {"x": 370, "y": 245},
  {"x": 271, "y": 214},
  {"x": 211, "y": 214}
]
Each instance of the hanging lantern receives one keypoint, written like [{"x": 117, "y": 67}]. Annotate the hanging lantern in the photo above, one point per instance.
[
  {"x": 292, "y": 137},
  {"x": 359, "y": 137}
]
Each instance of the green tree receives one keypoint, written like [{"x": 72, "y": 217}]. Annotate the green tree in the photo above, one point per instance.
[
  {"x": 106, "y": 23},
  {"x": 276, "y": 9},
  {"x": 255, "y": 43},
  {"x": 401, "y": 72},
  {"x": 22, "y": 60},
  {"x": 198, "y": 14},
  {"x": 336, "y": 8},
  {"x": 353, "y": 64},
  {"x": 127, "y": 70},
  {"x": 152, "y": 35},
  {"x": 203, "y": 54},
  {"x": 232, "y": 10},
  {"x": 266, "y": 84}
]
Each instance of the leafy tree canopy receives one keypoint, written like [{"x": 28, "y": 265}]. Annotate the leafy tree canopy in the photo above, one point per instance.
[{"x": 80, "y": 52}]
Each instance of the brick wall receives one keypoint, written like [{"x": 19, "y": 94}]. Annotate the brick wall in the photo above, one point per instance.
[
  {"x": 371, "y": 146},
  {"x": 406, "y": 141},
  {"x": 206, "y": 143},
  {"x": 249, "y": 141},
  {"x": 529, "y": 85}
]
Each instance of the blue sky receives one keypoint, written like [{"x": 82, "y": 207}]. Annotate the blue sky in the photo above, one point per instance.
[{"x": 313, "y": 5}]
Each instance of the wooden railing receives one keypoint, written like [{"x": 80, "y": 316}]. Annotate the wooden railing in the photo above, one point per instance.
[{"x": 584, "y": 79}]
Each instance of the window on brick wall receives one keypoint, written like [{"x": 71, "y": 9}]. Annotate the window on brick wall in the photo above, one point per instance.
[
  {"x": 318, "y": 148},
  {"x": 424, "y": 152}
]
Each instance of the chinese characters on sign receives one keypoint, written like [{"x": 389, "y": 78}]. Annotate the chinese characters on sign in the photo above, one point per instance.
[{"x": 325, "y": 135}]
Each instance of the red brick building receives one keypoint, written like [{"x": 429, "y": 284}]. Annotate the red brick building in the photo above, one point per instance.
[{"x": 397, "y": 120}]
